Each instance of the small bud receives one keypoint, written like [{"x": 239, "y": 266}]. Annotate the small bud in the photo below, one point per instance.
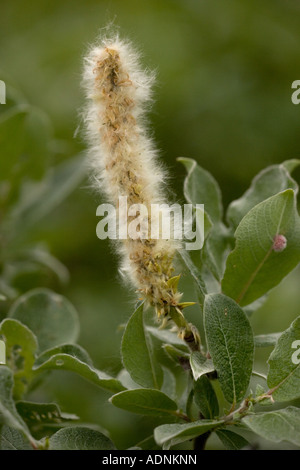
[
  {"x": 173, "y": 282},
  {"x": 183, "y": 305},
  {"x": 279, "y": 243}
]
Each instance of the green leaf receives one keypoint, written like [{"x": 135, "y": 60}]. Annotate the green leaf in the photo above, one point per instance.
[
  {"x": 137, "y": 354},
  {"x": 11, "y": 439},
  {"x": 40, "y": 414},
  {"x": 8, "y": 412},
  {"x": 75, "y": 359},
  {"x": 263, "y": 341},
  {"x": 11, "y": 126},
  {"x": 177, "y": 355},
  {"x": 125, "y": 379},
  {"x": 167, "y": 336},
  {"x": 284, "y": 365},
  {"x": 27, "y": 266},
  {"x": 254, "y": 267},
  {"x": 168, "y": 435},
  {"x": 290, "y": 166},
  {"x": 196, "y": 275},
  {"x": 200, "y": 187},
  {"x": 73, "y": 350},
  {"x": 216, "y": 249},
  {"x": 200, "y": 365},
  {"x": 230, "y": 344},
  {"x": 267, "y": 183},
  {"x": 25, "y": 141},
  {"x": 259, "y": 374},
  {"x": 169, "y": 384},
  {"x": 21, "y": 346},
  {"x": 231, "y": 440},
  {"x": 50, "y": 316},
  {"x": 205, "y": 398},
  {"x": 43, "y": 257},
  {"x": 148, "y": 443},
  {"x": 80, "y": 438},
  {"x": 39, "y": 198},
  {"x": 276, "y": 426},
  {"x": 2, "y": 352},
  {"x": 38, "y": 142},
  {"x": 145, "y": 401},
  {"x": 25, "y": 134},
  {"x": 200, "y": 216}
]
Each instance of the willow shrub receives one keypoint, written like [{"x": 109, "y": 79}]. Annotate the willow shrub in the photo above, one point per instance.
[{"x": 192, "y": 391}]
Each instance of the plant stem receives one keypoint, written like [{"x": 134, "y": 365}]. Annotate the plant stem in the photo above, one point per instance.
[{"x": 244, "y": 407}]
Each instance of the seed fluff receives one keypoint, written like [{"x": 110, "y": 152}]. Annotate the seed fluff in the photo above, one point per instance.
[{"x": 124, "y": 163}]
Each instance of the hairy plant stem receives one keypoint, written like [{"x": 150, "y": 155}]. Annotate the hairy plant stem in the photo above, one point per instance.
[{"x": 246, "y": 405}]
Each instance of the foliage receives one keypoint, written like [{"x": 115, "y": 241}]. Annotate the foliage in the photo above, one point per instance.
[{"x": 187, "y": 394}]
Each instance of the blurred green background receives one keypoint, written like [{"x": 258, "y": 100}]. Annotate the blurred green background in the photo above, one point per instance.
[{"x": 222, "y": 97}]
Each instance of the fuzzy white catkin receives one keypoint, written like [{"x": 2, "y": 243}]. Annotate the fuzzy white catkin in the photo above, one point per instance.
[{"x": 124, "y": 160}]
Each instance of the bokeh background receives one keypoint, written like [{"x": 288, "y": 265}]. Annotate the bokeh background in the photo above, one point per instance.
[{"x": 222, "y": 97}]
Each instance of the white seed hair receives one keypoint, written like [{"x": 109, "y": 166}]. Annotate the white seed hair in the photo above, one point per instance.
[{"x": 123, "y": 159}]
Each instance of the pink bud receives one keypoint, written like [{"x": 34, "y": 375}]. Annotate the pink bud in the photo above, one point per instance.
[{"x": 279, "y": 243}]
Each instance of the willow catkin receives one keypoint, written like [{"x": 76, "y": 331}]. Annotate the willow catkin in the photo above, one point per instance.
[{"x": 124, "y": 162}]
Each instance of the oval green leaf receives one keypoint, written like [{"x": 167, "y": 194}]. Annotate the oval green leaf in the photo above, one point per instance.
[
  {"x": 80, "y": 438},
  {"x": 206, "y": 398},
  {"x": 230, "y": 344},
  {"x": 200, "y": 187},
  {"x": 254, "y": 267},
  {"x": 264, "y": 341},
  {"x": 21, "y": 346},
  {"x": 145, "y": 401},
  {"x": 137, "y": 354},
  {"x": 75, "y": 359},
  {"x": 284, "y": 365},
  {"x": 8, "y": 413},
  {"x": 200, "y": 365},
  {"x": 276, "y": 426},
  {"x": 231, "y": 440},
  {"x": 50, "y": 316},
  {"x": 267, "y": 183},
  {"x": 169, "y": 435}
]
